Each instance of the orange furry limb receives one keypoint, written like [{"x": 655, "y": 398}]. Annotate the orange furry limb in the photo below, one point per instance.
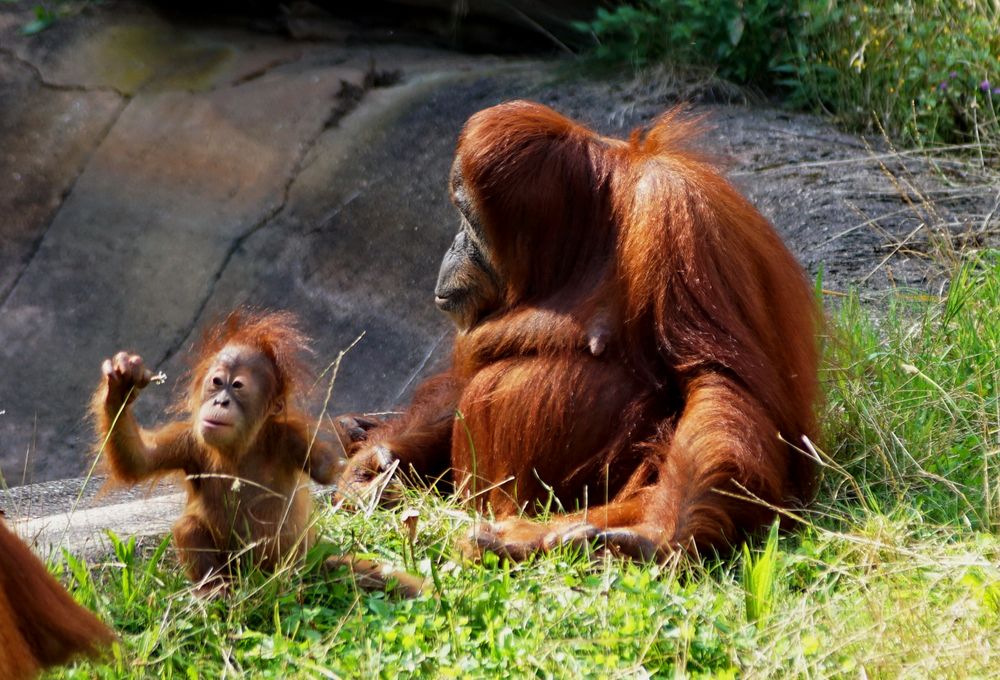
[{"x": 40, "y": 624}]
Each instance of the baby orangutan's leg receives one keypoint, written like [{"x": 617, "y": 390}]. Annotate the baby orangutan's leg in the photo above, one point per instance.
[
  {"x": 204, "y": 563},
  {"x": 370, "y": 575}
]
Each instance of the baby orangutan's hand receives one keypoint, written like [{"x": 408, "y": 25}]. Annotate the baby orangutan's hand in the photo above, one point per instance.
[{"x": 126, "y": 375}]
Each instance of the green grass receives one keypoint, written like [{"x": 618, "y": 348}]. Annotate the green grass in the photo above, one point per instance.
[
  {"x": 913, "y": 400},
  {"x": 894, "y": 572}
]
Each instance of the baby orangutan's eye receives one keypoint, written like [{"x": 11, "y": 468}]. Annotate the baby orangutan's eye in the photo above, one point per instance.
[
  {"x": 217, "y": 381},
  {"x": 237, "y": 384}
]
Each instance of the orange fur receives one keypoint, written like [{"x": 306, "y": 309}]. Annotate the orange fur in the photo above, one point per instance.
[
  {"x": 248, "y": 491},
  {"x": 40, "y": 624},
  {"x": 255, "y": 495},
  {"x": 654, "y": 337}
]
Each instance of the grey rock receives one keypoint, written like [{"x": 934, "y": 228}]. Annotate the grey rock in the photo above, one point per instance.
[{"x": 48, "y": 135}]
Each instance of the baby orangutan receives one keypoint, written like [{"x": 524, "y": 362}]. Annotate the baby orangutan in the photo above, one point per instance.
[{"x": 245, "y": 450}]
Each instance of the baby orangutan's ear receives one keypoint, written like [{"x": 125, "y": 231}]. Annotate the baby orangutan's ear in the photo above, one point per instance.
[{"x": 277, "y": 406}]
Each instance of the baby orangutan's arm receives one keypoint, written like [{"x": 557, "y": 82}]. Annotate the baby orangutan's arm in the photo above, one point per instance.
[{"x": 135, "y": 454}]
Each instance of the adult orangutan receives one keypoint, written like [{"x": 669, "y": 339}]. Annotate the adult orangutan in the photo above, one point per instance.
[
  {"x": 634, "y": 338},
  {"x": 40, "y": 624},
  {"x": 245, "y": 449}
]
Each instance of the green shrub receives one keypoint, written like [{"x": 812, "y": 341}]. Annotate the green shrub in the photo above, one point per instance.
[
  {"x": 735, "y": 36},
  {"x": 927, "y": 71}
]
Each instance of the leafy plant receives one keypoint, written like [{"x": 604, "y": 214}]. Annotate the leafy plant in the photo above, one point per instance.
[
  {"x": 47, "y": 13},
  {"x": 44, "y": 17},
  {"x": 926, "y": 72},
  {"x": 735, "y": 36},
  {"x": 758, "y": 578}
]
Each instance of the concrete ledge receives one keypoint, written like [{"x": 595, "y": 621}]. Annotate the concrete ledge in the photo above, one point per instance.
[
  {"x": 84, "y": 532},
  {"x": 76, "y": 514}
]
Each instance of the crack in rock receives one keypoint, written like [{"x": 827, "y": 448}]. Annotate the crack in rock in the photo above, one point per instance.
[
  {"x": 36, "y": 73},
  {"x": 40, "y": 239},
  {"x": 259, "y": 73},
  {"x": 348, "y": 98}
]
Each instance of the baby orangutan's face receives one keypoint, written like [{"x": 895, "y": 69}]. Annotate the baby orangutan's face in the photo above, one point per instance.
[{"x": 237, "y": 397}]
